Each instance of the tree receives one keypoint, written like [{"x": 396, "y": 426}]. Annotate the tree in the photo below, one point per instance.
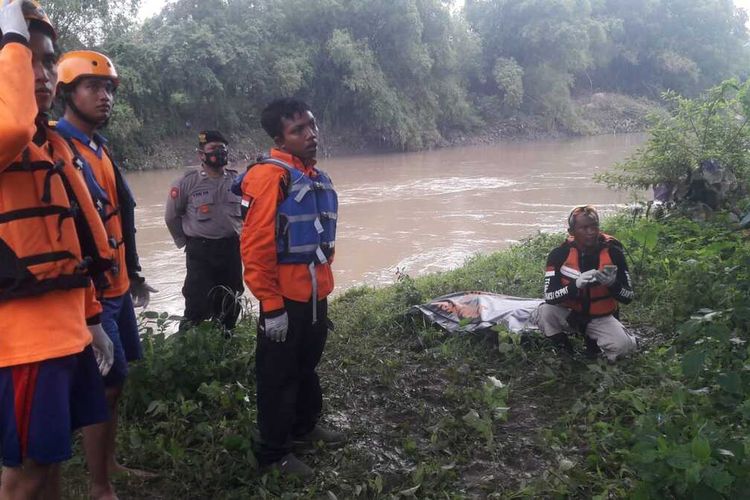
[
  {"x": 86, "y": 23},
  {"x": 544, "y": 42},
  {"x": 711, "y": 128},
  {"x": 682, "y": 45},
  {"x": 403, "y": 74}
]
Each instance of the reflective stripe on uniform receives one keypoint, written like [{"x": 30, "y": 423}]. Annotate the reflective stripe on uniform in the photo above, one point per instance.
[{"x": 569, "y": 272}]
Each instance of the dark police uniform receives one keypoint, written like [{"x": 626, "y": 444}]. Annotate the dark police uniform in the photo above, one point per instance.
[{"x": 204, "y": 216}]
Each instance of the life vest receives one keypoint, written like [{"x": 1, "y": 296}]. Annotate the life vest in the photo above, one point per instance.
[
  {"x": 306, "y": 219},
  {"x": 48, "y": 239},
  {"x": 125, "y": 208},
  {"x": 594, "y": 300}
]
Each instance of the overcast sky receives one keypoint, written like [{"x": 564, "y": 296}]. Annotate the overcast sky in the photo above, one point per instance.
[{"x": 152, "y": 7}]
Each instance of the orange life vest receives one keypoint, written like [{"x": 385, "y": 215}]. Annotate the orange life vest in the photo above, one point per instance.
[
  {"x": 104, "y": 171},
  {"x": 594, "y": 300},
  {"x": 48, "y": 240}
]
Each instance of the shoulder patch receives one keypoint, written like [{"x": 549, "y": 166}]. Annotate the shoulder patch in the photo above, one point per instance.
[{"x": 174, "y": 193}]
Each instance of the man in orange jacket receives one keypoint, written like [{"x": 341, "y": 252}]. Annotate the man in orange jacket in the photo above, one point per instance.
[
  {"x": 51, "y": 242},
  {"x": 287, "y": 246},
  {"x": 585, "y": 280},
  {"x": 87, "y": 81}
]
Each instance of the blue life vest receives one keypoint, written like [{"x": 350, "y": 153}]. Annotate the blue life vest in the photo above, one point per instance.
[
  {"x": 306, "y": 219},
  {"x": 236, "y": 187}
]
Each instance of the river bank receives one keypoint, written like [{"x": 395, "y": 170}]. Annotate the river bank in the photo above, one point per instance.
[
  {"x": 431, "y": 415},
  {"x": 598, "y": 113}
]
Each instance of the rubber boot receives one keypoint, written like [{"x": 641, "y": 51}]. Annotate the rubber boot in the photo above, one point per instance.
[
  {"x": 289, "y": 465},
  {"x": 592, "y": 349},
  {"x": 562, "y": 343},
  {"x": 320, "y": 434}
]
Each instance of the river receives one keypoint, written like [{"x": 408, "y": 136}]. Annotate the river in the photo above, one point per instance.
[{"x": 419, "y": 212}]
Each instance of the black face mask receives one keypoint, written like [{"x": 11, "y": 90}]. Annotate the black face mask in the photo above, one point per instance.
[{"x": 218, "y": 158}]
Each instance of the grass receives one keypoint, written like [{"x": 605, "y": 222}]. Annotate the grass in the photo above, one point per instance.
[{"x": 432, "y": 415}]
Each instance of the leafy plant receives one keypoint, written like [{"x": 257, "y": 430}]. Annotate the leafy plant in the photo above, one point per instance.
[{"x": 711, "y": 128}]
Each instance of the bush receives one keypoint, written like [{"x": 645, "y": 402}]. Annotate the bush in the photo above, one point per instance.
[
  {"x": 672, "y": 422},
  {"x": 712, "y": 128},
  {"x": 426, "y": 410},
  {"x": 189, "y": 410}
]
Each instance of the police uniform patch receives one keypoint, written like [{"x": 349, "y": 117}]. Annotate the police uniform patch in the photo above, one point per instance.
[
  {"x": 204, "y": 209},
  {"x": 174, "y": 193}
]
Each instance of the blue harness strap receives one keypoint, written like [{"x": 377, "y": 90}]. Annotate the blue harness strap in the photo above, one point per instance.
[
  {"x": 98, "y": 194},
  {"x": 305, "y": 219}
]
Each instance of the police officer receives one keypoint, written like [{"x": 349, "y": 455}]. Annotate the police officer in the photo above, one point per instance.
[{"x": 204, "y": 216}]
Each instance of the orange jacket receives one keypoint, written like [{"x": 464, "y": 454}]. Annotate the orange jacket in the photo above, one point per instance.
[
  {"x": 92, "y": 306},
  {"x": 599, "y": 299},
  {"x": 271, "y": 282},
  {"x": 104, "y": 171},
  {"x": 17, "y": 102},
  {"x": 48, "y": 323}
]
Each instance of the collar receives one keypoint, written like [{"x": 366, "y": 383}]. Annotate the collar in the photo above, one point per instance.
[
  {"x": 69, "y": 130},
  {"x": 293, "y": 161},
  {"x": 204, "y": 174}
]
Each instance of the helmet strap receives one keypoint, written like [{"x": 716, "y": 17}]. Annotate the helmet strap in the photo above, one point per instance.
[{"x": 80, "y": 114}]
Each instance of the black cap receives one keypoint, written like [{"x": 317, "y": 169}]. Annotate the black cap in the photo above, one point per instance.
[{"x": 206, "y": 136}]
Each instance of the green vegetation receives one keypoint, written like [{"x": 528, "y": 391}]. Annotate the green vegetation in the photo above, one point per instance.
[
  {"x": 405, "y": 74},
  {"x": 711, "y": 127},
  {"x": 432, "y": 415},
  {"x": 501, "y": 415},
  {"x": 673, "y": 422}
]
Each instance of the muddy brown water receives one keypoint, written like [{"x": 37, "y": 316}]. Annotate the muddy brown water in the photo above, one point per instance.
[{"x": 419, "y": 212}]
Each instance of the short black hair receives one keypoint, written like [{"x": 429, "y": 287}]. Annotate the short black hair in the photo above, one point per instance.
[
  {"x": 286, "y": 107},
  {"x": 587, "y": 210},
  {"x": 44, "y": 29}
]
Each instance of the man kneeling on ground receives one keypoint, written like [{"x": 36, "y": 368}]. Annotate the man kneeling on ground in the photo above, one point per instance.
[{"x": 585, "y": 279}]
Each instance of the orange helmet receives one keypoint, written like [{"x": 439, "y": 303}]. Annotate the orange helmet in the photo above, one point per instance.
[
  {"x": 80, "y": 63},
  {"x": 35, "y": 15}
]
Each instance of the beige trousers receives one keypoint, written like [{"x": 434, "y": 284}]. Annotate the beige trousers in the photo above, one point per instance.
[{"x": 609, "y": 334}]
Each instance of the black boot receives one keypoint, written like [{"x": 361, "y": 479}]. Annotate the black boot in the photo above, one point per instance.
[
  {"x": 562, "y": 342},
  {"x": 592, "y": 349}
]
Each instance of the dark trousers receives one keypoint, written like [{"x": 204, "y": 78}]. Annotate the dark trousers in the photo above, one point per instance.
[
  {"x": 214, "y": 274},
  {"x": 289, "y": 396}
]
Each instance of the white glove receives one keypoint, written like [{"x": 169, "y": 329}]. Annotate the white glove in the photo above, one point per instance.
[
  {"x": 275, "y": 328},
  {"x": 141, "y": 293},
  {"x": 585, "y": 279},
  {"x": 104, "y": 350},
  {"x": 11, "y": 18},
  {"x": 607, "y": 277}
]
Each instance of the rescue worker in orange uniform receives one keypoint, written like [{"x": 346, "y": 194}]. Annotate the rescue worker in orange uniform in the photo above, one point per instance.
[
  {"x": 87, "y": 81},
  {"x": 287, "y": 246},
  {"x": 51, "y": 244},
  {"x": 585, "y": 280}
]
